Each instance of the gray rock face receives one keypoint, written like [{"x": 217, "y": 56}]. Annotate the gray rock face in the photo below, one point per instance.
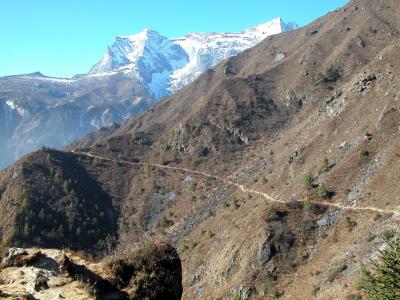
[
  {"x": 40, "y": 283},
  {"x": 11, "y": 255},
  {"x": 334, "y": 105},
  {"x": 266, "y": 252},
  {"x": 295, "y": 156},
  {"x": 356, "y": 193},
  {"x": 363, "y": 85}
]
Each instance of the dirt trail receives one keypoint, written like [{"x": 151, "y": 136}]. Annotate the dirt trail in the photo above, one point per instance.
[{"x": 240, "y": 186}]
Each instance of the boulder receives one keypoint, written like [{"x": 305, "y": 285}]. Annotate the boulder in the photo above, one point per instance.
[
  {"x": 41, "y": 283},
  {"x": 266, "y": 253},
  {"x": 12, "y": 256}
]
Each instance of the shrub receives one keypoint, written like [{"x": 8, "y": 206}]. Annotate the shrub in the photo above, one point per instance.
[
  {"x": 326, "y": 166},
  {"x": 211, "y": 234},
  {"x": 314, "y": 290},
  {"x": 270, "y": 289},
  {"x": 271, "y": 212},
  {"x": 151, "y": 271},
  {"x": 308, "y": 181},
  {"x": 307, "y": 204},
  {"x": 164, "y": 222},
  {"x": 331, "y": 74},
  {"x": 236, "y": 204},
  {"x": 235, "y": 297},
  {"x": 364, "y": 153},
  {"x": 350, "y": 224},
  {"x": 147, "y": 169},
  {"x": 202, "y": 151},
  {"x": 198, "y": 262},
  {"x": 262, "y": 179},
  {"x": 353, "y": 297},
  {"x": 336, "y": 269},
  {"x": 324, "y": 192},
  {"x": 384, "y": 280}
]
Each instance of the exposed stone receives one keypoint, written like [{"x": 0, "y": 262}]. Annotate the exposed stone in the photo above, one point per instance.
[
  {"x": 329, "y": 220},
  {"x": 312, "y": 32},
  {"x": 229, "y": 70},
  {"x": 367, "y": 137},
  {"x": 41, "y": 283},
  {"x": 363, "y": 85},
  {"x": 295, "y": 156},
  {"x": 12, "y": 255},
  {"x": 279, "y": 56},
  {"x": 266, "y": 253},
  {"x": 334, "y": 105},
  {"x": 361, "y": 43},
  {"x": 292, "y": 99},
  {"x": 348, "y": 145},
  {"x": 355, "y": 194}
]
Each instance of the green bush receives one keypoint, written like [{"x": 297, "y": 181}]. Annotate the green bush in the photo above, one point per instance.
[
  {"x": 326, "y": 166},
  {"x": 383, "y": 282},
  {"x": 164, "y": 222},
  {"x": 314, "y": 290},
  {"x": 262, "y": 179},
  {"x": 322, "y": 191},
  {"x": 336, "y": 269},
  {"x": 350, "y": 224},
  {"x": 271, "y": 212},
  {"x": 235, "y": 297},
  {"x": 307, "y": 204},
  {"x": 198, "y": 262},
  {"x": 308, "y": 181},
  {"x": 236, "y": 203}
]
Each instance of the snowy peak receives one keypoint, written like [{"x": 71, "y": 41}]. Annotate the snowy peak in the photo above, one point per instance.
[
  {"x": 147, "y": 56},
  {"x": 164, "y": 65},
  {"x": 274, "y": 26}
]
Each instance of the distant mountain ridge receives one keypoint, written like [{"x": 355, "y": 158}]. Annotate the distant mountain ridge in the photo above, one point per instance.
[{"x": 165, "y": 65}]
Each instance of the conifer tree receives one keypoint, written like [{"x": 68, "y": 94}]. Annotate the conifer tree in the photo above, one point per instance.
[{"x": 383, "y": 283}]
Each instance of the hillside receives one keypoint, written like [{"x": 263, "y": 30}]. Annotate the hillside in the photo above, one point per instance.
[{"x": 273, "y": 174}]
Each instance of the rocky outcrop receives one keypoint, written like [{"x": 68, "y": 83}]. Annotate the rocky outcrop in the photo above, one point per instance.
[{"x": 151, "y": 272}]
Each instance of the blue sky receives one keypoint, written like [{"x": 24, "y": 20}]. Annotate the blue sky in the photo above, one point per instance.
[{"x": 66, "y": 37}]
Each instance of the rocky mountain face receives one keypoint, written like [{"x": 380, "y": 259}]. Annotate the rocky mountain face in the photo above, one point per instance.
[
  {"x": 274, "y": 174},
  {"x": 165, "y": 65},
  {"x": 135, "y": 72}
]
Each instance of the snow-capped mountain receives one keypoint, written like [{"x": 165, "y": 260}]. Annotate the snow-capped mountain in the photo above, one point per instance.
[
  {"x": 135, "y": 71},
  {"x": 165, "y": 65},
  {"x": 147, "y": 56}
]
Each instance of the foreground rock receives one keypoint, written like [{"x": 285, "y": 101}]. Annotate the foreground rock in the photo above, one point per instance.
[{"x": 152, "y": 271}]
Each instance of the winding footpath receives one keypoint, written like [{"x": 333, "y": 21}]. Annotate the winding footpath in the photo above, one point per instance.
[{"x": 241, "y": 187}]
